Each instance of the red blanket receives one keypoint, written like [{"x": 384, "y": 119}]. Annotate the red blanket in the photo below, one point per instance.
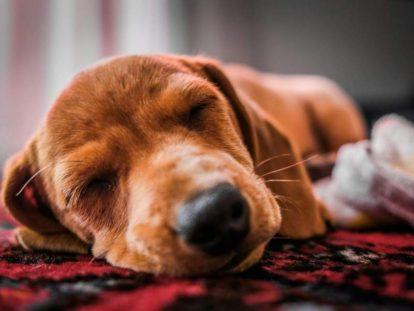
[{"x": 359, "y": 269}]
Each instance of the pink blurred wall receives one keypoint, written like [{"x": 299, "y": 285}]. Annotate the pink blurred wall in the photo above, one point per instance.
[{"x": 43, "y": 43}]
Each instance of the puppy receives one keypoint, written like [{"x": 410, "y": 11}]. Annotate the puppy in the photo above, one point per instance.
[{"x": 176, "y": 165}]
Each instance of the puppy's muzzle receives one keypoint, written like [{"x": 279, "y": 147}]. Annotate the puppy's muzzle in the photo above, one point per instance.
[{"x": 215, "y": 221}]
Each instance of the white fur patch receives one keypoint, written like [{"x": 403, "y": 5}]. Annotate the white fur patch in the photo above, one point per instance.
[{"x": 204, "y": 170}]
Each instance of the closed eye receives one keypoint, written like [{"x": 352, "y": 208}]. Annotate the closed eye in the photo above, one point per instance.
[
  {"x": 97, "y": 186},
  {"x": 196, "y": 111},
  {"x": 100, "y": 185}
]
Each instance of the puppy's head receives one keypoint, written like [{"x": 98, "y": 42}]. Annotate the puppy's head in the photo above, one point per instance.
[{"x": 145, "y": 160}]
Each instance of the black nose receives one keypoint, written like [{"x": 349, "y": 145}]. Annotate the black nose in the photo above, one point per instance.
[{"x": 215, "y": 221}]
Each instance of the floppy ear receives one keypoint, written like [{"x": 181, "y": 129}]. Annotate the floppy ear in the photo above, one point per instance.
[
  {"x": 211, "y": 69},
  {"x": 24, "y": 197},
  {"x": 302, "y": 215}
]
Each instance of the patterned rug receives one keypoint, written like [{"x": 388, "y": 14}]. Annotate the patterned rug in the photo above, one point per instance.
[{"x": 344, "y": 270}]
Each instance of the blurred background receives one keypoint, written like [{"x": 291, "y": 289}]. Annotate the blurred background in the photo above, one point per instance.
[{"x": 366, "y": 46}]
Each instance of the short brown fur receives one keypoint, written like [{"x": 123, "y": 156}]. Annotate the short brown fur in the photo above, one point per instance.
[{"x": 118, "y": 154}]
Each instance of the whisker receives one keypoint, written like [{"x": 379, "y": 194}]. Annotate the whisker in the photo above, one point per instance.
[
  {"x": 272, "y": 158},
  {"x": 36, "y": 174},
  {"x": 31, "y": 178},
  {"x": 286, "y": 200},
  {"x": 282, "y": 180},
  {"x": 284, "y": 197},
  {"x": 289, "y": 166},
  {"x": 98, "y": 256}
]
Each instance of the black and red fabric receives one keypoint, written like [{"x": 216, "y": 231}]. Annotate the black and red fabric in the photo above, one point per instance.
[{"x": 354, "y": 270}]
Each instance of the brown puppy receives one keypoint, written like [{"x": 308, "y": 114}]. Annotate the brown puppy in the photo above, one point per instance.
[{"x": 175, "y": 165}]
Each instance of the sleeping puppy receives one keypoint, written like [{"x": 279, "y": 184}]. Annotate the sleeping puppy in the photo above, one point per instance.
[{"x": 176, "y": 165}]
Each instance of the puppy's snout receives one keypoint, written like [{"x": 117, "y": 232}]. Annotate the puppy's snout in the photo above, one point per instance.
[{"x": 215, "y": 221}]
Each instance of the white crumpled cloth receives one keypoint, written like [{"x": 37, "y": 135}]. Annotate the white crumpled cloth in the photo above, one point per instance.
[{"x": 372, "y": 181}]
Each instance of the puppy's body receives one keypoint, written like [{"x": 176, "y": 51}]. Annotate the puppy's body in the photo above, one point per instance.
[
  {"x": 314, "y": 112},
  {"x": 142, "y": 154}
]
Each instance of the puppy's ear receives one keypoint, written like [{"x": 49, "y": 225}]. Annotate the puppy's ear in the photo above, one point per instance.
[
  {"x": 212, "y": 70},
  {"x": 23, "y": 195},
  {"x": 302, "y": 215}
]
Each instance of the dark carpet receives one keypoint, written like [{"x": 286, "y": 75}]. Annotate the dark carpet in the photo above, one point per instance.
[{"x": 342, "y": 271}]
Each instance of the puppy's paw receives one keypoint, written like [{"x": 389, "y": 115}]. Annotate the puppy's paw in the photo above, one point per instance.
[
  {"x": 124, "y": 258},
  {"x": 56, "y": 242}
]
